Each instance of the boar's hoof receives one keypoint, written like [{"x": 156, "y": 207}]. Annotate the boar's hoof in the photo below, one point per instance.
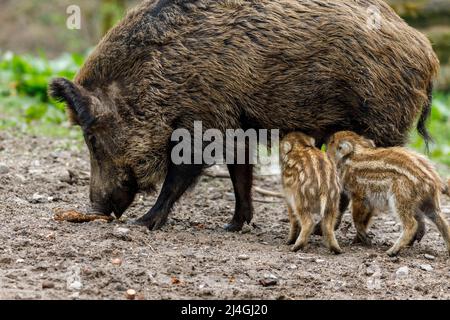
[
  {"x": 153, "y": 222},
  {"x": 234, "y": 226}
]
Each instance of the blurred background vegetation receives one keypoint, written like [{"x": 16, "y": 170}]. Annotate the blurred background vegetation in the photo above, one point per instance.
[{"x": 35, "y": 45}]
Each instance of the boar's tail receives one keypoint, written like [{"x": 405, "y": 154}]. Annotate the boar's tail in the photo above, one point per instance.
[{"x": 425, "y": 115}]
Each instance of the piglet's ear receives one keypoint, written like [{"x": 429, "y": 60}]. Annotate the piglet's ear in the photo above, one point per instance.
[
  {"x": 286, "y": 147},
  {"x": 63, "y": 90},
  {"x": 345, "y": 148}
]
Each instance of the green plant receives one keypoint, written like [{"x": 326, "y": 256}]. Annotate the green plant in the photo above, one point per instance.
[
  {"x": 439, "y": 126},
  {"x": 23, "y": 88}
]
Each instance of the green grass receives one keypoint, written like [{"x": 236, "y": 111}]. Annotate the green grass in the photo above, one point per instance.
[
  {"x": 24, "y": 103},
  {"x": 439, "y": 126},
  {"x": 26, "y": 108}
]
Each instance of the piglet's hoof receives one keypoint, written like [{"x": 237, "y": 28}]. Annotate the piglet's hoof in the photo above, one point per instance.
[
  {"x": 336, "y": 250},
  {"x": 392, "y": 252}
]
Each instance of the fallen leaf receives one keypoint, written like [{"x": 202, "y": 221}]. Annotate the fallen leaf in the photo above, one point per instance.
[
  {"x": 78, "y": 217},
  {"x": 175, "y": 280}
]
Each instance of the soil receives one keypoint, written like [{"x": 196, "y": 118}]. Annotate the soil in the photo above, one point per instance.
[{"x": 192, "y": 256}]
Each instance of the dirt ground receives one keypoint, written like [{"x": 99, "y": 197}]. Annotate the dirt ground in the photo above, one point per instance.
[{"x": 192, "y": 256}]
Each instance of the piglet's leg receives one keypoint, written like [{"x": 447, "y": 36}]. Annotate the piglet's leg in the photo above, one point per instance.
[
  {"x": 294, "y": 230},
  {"x": 343, "y": 205},
  {"x": 421, "y": 228},
  {"x": 307, "y": 227},
  {"x": 328, "y": 223},
  {"x": 178, "y": 179},
  {"x": 410, "y": 226},
  {"x": 362, "y": 214}
]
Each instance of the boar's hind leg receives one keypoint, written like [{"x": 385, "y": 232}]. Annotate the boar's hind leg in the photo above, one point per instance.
[
  {"x": 421, "y": 229},
  {"x": 241, "y": 176},
  {"x": 178, "y": 179}
]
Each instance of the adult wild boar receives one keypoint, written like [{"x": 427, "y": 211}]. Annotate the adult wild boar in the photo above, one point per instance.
[{"x": 316, "y": 66}]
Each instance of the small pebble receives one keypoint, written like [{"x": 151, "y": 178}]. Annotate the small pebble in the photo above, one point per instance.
[
  {"x": 75, "y": 286},
  {"x": 429, "y": 257},
  {"x": 402, "y": 272},
  {"x": 48, "y": 285},
  {"x": 243, "y": 257},
  {"x": 122, "y": 233},
  {"x": 131, "y": 294},
  {"x": 75, "y": 295},
  {"x": 268, "y": 282},
  {"x": 116, "y": 261},
  {"x": 270, "y": 276},
  {"x": 305, "y": 258},
  {"x": 3, "y": 169},
  {"x": 426, "y": 267},
  {"x": 395, "y": 259},
  {"x": 370, "y": 271},
  {"x": 38, "y": 198},
  {"x": 122, "y": 230},
  {"x": 6, "y": 260}
]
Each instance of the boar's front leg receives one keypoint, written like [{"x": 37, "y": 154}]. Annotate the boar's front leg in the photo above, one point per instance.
[
  {"x": 178, "y": 179},
  {"x": 241, "y": 176}
]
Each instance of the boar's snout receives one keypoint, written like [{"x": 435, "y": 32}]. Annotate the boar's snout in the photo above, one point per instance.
[
  {"x": 100, "y": 208},
  {"x": 116, "y": 201},
  {"x": 121, "y": 199}
]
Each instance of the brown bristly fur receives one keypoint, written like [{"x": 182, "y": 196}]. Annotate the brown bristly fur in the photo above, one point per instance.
[
  {"x": 388, "y": 178},
  {"x": 310, "y": 185}
]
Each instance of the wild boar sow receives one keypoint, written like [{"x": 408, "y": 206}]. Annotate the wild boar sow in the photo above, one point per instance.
[{"x": 312, "y": 66}]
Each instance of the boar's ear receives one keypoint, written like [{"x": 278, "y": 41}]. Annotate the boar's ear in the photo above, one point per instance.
[
  {"x": 345, "y": 148},
  {"x": 63, "y": 90},
  {"x": 286, "y": 147}
]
